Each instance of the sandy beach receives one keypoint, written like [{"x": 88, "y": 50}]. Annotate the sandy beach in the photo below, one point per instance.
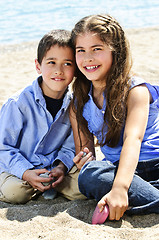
[{"x": 60, "y": 219}]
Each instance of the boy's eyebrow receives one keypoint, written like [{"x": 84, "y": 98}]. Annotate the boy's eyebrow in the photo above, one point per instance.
[
  {"x": 69, "y": 60},
  {"x": 51, "y": 58},
  {"x": 96, "y": 45}
]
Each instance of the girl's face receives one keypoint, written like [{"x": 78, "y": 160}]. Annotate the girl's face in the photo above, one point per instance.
[{"x": 93, "y": 57}]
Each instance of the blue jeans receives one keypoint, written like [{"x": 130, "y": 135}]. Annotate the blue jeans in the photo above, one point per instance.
[{"x": 96, "y": 179}]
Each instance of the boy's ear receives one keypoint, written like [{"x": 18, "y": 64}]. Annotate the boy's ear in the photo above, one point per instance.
[{"x": 38, "y": 66}]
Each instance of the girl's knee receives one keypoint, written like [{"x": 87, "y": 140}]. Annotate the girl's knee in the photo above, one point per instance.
[
  {"x": 96, "y": 168},
  {"x": 96, "y": 175}
]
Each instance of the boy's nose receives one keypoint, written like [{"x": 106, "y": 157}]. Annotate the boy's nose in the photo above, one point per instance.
[{"x": 58, "y": 70}]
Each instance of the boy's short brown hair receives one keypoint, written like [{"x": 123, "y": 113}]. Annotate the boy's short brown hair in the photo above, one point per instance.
[{"x": 59, "y": 37}]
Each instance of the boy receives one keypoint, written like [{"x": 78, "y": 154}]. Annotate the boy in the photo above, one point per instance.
[{"x": 36, "y": 139}]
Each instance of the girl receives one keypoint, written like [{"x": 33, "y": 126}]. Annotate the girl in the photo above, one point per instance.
[{"x": 122, "y": 111}]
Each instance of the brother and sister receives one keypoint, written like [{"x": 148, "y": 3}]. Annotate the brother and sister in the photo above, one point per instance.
[{"x": 40, "y": 152}]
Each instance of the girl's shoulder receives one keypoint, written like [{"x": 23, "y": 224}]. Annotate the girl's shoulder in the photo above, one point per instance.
[
  {"x": 136, "y": 81},
  {"x": 153, "y": 89}
]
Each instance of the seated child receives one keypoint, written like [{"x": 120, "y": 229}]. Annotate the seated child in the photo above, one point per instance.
[
  {"x": 122, "y": 111},
  {"x": 36, "y": 136}
]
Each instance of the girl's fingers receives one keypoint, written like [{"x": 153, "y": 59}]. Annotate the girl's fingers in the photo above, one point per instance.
[
  {"x": 89, "y": 157},
  {"x": 102, "y": 203},
  {"x": 78, "y": 157},
  {"x": 83, "y": 157},
  {"x": 86, "y": 150},
  {"x": 116, "y": 213},
  {"x": 85, "y": 154}
]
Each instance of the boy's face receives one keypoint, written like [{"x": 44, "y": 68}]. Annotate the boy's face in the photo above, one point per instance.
[{"x": 57, "y": 69}]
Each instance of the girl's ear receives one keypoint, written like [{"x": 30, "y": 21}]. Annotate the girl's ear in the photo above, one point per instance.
[{"x": 38, "y": 66}]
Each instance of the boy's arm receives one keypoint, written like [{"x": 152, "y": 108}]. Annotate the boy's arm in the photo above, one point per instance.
[
  {"x": 11, "y": 122},
  {"x": 66, "y": 152}
]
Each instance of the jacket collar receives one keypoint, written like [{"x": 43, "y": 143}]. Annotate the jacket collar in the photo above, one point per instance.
[{"x": 39, "y": 98}]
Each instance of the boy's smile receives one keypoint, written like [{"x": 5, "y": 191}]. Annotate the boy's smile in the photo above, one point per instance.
[
  {"x": 57, "y": 69},
  {"x": 93, "y": 57}
]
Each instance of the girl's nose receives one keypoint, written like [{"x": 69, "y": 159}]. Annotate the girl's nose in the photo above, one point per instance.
[{"x": 88, "y": 57}]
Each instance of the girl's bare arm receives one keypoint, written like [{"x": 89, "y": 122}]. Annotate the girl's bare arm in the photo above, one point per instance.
[
  {"x": 136, "y": 122},
  {"x": 87, "y": 145}
]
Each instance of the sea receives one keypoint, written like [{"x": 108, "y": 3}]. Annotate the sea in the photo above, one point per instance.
[{"x": 29, "y": 20}]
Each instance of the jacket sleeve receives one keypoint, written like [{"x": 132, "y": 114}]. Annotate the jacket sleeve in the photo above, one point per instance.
[
  {"x": 11, "y": 125},
  {"x": 67, "y": 151}
]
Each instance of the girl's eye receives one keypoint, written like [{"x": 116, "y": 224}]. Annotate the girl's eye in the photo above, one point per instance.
[
  {"x": 97, "y": 49},
  {"x": 79, "y": 50}
]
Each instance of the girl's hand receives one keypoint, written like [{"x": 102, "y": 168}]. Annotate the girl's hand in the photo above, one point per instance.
[
  {"x": 117, "y": 200},
  {"x": 33, "y": 178},
  {"x": 58, "y": 174},
  {"x": 83, "y": 157}
]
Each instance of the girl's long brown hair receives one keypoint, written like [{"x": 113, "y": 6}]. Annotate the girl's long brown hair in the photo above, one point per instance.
[{"x": 117, "y": 81}]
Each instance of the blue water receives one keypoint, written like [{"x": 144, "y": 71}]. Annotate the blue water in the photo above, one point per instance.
[{"x": 28, "y": 20}]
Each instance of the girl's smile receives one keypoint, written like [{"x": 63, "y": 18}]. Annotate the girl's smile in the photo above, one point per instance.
[
  {"x": 93, "y": 57},
  {"x": 91, "y": 68}
]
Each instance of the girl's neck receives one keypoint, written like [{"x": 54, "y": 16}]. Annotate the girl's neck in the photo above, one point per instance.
[{"x": 98, "y": 96}]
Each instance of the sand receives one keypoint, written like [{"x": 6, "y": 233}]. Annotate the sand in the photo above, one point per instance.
[{"x": 61, "y": 219}]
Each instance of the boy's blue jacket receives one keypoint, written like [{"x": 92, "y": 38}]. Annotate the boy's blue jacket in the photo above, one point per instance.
[{"x": 29, "y": 137}]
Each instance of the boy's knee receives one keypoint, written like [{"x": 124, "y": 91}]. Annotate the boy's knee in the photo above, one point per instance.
[
  {"x": 16, "y": 191},
  {"x": 69, "y": 187}
]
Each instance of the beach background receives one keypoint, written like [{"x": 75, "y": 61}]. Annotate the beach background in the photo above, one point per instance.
[{"x": 22, "y": 24}]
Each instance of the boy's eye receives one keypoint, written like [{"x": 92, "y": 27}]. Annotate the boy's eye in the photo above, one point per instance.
[
  {"x": 67, "y": 64},
  {"x": 51, "y": 62}
]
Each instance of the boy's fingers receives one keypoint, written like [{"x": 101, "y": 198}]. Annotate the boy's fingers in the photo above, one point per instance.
[
  {"x": 41, "y": 170},
  {"x": 39, "y": 186},
  {"x": 59, "y": 180}
]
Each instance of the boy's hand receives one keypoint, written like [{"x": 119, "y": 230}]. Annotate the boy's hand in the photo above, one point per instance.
[
  {"x": 58, "y": 174},
  {"x": 33, "y": 178},
  {"x": 117, "y": 200},
  {"x": 83, "y": 157}
]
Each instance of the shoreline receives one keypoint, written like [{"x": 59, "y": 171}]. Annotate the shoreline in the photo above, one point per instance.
[
  {"x": 34, "y": 41},
  {"x": 127, "y": 30},
  {"x": 17, "y": 68}
]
